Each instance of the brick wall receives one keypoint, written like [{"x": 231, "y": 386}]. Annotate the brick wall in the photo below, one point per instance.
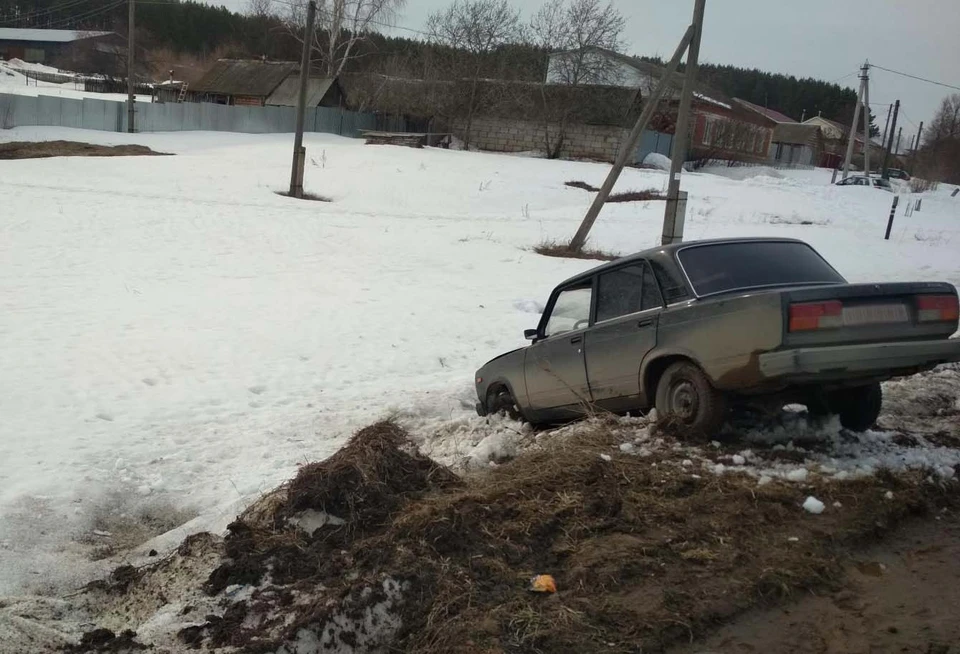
[{"x": 597, "y": 142}]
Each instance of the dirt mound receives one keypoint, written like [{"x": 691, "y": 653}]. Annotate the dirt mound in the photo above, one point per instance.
[
  {"x": 46, "y": 149},
  {"x": 380, "y": 549},
  {"x": 644, "y": 553}
]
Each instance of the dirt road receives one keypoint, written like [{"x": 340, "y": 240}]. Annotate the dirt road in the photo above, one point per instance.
[{"x": 903, "y": 596}]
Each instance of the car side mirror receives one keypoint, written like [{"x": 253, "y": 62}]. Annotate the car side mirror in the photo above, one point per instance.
[{"x": 530, "y": 334}]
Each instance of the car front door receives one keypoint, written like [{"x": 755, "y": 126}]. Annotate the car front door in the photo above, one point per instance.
[
  {"x": 629, "y": 303},
  {"x": 555, "y": 374}
]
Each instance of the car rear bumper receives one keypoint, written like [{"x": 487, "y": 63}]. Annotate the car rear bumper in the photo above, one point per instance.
[{"x": 859, "y": 360}]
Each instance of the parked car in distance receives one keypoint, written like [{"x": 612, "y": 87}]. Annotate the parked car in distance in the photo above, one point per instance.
[
  {"x": 897, "y": 173},
  {"x": 863, "y": 180},
  {"x": 692, "y": 328}
]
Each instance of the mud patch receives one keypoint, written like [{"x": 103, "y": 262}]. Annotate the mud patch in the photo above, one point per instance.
[{"x": 46, "y": 149}]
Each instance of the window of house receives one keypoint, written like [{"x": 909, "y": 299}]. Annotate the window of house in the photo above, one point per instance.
[
  {"x": 707, "y": 129},
  {"x": 758, "y": 142},
  {"x": 719, "y": 133},
  {"x": 627, "y": 290},
  {"x": 571, "y": 310}
]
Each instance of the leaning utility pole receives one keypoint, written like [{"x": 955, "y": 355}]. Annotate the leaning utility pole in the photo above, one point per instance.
[
  {"x": 886, "y": 155},
  {"x": 852, "y": 136},
  {"x": 628, "y": 146},
  {"x": 672, "y": 230},
  {"x": 299, "y": 154},
  {"x": 899, "y": 134},
  {"x": 886, "y": 127},
  {"x": 919, "y": 132},
  {"x": 131, "y": 87}
]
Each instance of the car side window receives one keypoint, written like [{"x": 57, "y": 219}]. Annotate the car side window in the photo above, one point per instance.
[
  {"x": 652, "y": 299},
  {"x": 619, "y": 292},
  {"x": 674, "y": 290},
  {"x": 627, "y": 290},
  {"x": 571, "y": 310}
]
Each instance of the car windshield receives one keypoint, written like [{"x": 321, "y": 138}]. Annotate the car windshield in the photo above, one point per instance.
[
  {"x": 722, "y": 267},
  {"x": 884, "y": 183}
]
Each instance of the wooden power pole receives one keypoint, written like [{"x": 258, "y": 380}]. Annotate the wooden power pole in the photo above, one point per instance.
[
  {"x": 672, "y": 228},
  {"x": 131, "y": 86},
  {"x": 299, "y": 153},
  {"x": 885, "y": 173},
  {"x": 852, "y": 136}
]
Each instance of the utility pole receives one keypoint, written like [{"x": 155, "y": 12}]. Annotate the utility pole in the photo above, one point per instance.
[
  {"x": 299, "y": 154},
  {"x": 886, "y": 127},
  {"x": 131, "y": 87},
  {"x": 899, "y": 134},
  {"x": 852, "y": 135},
  {"x": 919, "y": 132},
  {"x": 886, "y": 155},
  {"x": 628, "y": 147},
  {"x": 672, "y": 228},
  {"x": 866, "y": 119}
]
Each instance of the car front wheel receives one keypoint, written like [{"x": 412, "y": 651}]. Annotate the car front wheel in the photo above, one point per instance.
[
  {"x": 685, "y": 394},
  {"x": 501, "y": 402}
]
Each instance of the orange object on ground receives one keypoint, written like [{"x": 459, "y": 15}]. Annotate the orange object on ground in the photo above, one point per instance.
[{"x": 543, "y": 584}]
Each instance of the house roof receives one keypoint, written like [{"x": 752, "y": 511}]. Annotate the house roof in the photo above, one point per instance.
[
  {"x": 47, "y": 36},
  {"x": 795, "y": 133},
  {"x": 772, "y": 114},
  {"x": 702, "y": 92},
  {"x": 287, "y": 94},
  {"x": 244, "y": 77}
]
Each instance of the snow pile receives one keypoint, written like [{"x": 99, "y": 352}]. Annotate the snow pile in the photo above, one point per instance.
[
  {"x": 657, "y": 161},
  {"x": 741, "y": 173}
]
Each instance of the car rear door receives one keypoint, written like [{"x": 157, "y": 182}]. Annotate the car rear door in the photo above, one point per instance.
[
  {"x": 554, "y": 369},
  {"x": 625, "y": 330}
]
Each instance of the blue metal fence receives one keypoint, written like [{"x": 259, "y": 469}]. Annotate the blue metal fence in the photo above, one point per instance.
[{"x": 111, "y": 116}]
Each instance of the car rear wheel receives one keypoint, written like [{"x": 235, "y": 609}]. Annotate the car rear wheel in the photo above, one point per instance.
[
  {"x": 500, "y": 402},
  {"x": 858, "y": 407},
  {"x": 685, "y": 395}
]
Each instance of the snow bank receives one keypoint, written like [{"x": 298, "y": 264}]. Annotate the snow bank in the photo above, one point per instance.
[{"x": 657, "y": 160}]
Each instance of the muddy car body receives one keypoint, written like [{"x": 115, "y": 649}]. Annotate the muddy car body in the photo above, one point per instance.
[{"x": 693, "y": 327}]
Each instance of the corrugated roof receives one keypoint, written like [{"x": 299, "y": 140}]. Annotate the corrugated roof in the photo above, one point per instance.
[
  {"x": 287, "y": 93},
  {"x": 48, "y": 36},
  {"x": 773, "y": 115},
  {"x": 244, "y": 77}
]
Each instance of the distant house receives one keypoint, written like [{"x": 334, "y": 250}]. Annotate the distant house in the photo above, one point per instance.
[
  {"x": 61, "y": 48},
  {"x": 721, "y": 128},
  {"x": 835, "y": 142},
  {"x": 260, "y": 83},
  {"x": 793, "y": 144}
]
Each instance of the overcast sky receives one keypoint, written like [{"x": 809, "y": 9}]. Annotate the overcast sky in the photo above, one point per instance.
[{"x": 826, "y": 39}]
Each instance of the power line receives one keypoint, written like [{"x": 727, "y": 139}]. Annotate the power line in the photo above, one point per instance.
[
  {"x": 326, "y": 13},
  {"x": 922, "y": 79},
  {"x": 60, "y": 24},
  {"x": 844, "y": 77},
  {"x": 40, "y": 12}
]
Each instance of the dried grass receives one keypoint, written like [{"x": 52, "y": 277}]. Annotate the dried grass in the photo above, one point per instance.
[{"x": 563, "y": 251}]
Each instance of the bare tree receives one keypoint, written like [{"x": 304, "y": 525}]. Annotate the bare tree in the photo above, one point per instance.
[
  {"x": 946, "y": 122},
  {"x": 573, "y": 33},
  {"x": 341, "y": 26},
  {"x": 259, "y": 8},
  {"x": 473, "y": 30}
]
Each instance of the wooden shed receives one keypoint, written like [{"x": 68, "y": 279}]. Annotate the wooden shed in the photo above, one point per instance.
[{"x": 241, "y": 81}]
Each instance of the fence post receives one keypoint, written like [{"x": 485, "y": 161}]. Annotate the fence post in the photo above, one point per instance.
[
  {"x": 893, "y": 210},
  {"x": 919, "y": 202}
]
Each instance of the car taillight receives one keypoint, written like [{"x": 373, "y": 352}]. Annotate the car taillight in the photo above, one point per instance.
[
  {"x": 816, "y": 315},
  {"x": 937, "y": 308}
]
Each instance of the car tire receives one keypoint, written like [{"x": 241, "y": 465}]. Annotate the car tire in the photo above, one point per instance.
[
  {"x": 685, "y": 394},
  {"x": 501, "y": 402},
  {"x": 858, "y": 407}
]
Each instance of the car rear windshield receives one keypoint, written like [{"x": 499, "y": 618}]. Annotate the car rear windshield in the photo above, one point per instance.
[{"x": 723, "y": 267}]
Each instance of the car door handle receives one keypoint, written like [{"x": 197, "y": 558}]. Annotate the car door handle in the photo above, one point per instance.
[
  {"x": 646, "y": 322},
  {"x": 577, "y": 339}
]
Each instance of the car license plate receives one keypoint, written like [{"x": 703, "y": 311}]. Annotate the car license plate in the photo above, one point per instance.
[{"x": 869, "y": 314}]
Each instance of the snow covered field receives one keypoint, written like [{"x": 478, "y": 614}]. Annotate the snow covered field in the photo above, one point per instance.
[{"x": 175, "y": 338}]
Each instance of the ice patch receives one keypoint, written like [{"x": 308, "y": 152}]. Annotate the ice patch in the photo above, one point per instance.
[{"x": 813, "y": 505}]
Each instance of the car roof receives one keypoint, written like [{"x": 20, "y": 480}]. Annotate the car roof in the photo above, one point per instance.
[{"x": 663, "y": 252}]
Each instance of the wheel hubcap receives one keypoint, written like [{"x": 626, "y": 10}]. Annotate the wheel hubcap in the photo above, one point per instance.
[{"x": 684, "y": 401}]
